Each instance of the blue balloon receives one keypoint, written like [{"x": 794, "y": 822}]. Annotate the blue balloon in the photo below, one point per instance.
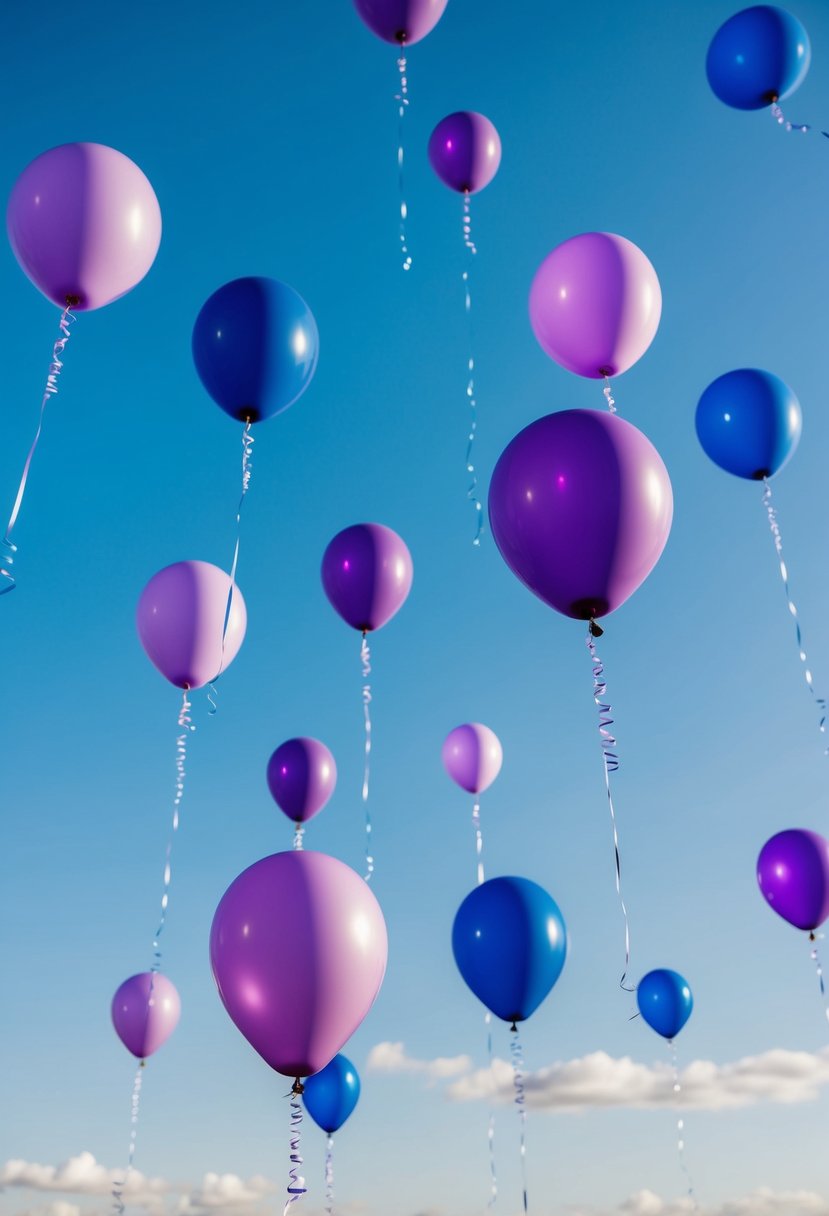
[
  {"x": 664, "y": 1001},
  {"x": 510, "y": 944},
  {"x": 757, "y": 57},
  {"x": 331, "y": 1095},
  {"x": 749, "y": 422},
  {"x": 255, "y": 347}
]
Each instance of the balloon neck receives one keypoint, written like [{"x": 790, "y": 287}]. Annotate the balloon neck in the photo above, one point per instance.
[
  {"x": 514, "y": 1027},
  {"x": 72, "y": 301},
  {"x": 400, "y": 37},
  {"x": 596, "y": 630},
  {"x": 142, "y": 1064},
  {"x": 298, "y": 1087},
  {"x": 812, "y": 935}
]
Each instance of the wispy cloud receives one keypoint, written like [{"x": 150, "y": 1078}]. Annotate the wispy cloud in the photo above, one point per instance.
[
  {"x": 761, "y": 1202},
  {"x": 391, "y": 1057}
]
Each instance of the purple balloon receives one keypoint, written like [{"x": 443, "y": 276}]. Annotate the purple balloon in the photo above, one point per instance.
[
  {"x": 301, "y": 777},
  {"x": 580, "y": 506},
  {"x": 595, "y": 304},
  {"x": 465, "y": 151},
  {"x": 145, "y": 1012},
  {"x": 298, "y": 949},
  {"x": 793, "y": 874},
  {"x": 472, "y": 756},
  {"x": 180, "y": 619},
  {"x": 84, "y": 224},
  {"x": 367, "y": 574},
  {"x": 401, "y": 21}
]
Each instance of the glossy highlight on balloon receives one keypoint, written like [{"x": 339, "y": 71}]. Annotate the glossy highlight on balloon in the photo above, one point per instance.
[
  {"x": 331, "y": 1095},
  {"x": 665, "y": 1001},
  {"x": 367, "y": 575},
  {"x": 301, "y": 777},
  {"x": 472, "y": 756},
  {"x": 465, "y": 151},
  {"x": 793, "y": 876},
  {"x": 145, "y": 1012},
  {"x": 401, "y": 21},
  {"x": 749, "y": 422},
  {"x": 757, "y": 57}
]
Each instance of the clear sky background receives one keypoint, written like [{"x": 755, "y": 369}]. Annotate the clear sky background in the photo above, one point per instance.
[{"x": 269, "y": 133}]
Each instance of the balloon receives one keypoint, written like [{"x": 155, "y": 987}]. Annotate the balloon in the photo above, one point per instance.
[
  {"x": 298, "y": 949},
  {"x": 757, "y": 57},
  {"x": 465, "y": 151},
  {"x": 664, "y": 1001},
  {"x": 255, "y": 347},
  {"x": 331, "y": 1095},
  {"x": 472, "y": 756},
  {"x": 749, "y": 422},
  {"x": 595, "y": 304},
  {"x": 145, "y": 1012},
  {"x": 84, "y": 224},
  {"x": 580, "y": 506},
  {"x": 510, "y": 944},
  {"x": 401, "y": 21},
  {"x": 793, "y": 873},
  {"x": 301, "y": 777},
  {"x": 367, "y": 574},
  {"x": 180, "y": 619}
]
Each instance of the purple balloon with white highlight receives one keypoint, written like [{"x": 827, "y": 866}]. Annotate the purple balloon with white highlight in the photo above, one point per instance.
[
  {"x": 301, "y": 777},
  {"x": 465, "y": 151},
  {"x": 145, "y": 1012},
  {"x": 472, "y": 756},
  {"x": 401, "y": 21},
  {"x": 793, "y": 876},
  {"x": 367, "y": 575}
]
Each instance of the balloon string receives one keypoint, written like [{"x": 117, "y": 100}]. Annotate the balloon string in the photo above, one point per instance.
[
  {"x": 493, "y": 1177},
  {"x": 479, "y": 840},
  {"x": 520, "y": 1102},
  {"x": 119, "y": 1185},
  {"x": 472, "y": 489},
  {"x": 298, "y": 834},
  {"x": 780, "y": 118},
  {"x": 248, "y": 441},
  {"x": 7, "y": 579},
  {"x": 784, "y": 574},
  {"x": 296, "y": 1183},
  {"x": 680, "y": 1130},
  {"x": 818, "y": 966},
  {"x": 329, "y": 1175},
  {"x": 608, "y": 395},
  {"x": 402, "y": 99},
  {"x": 611, "y": 765},
  {"x": 365, "y": 658},
  {"x": 181, "y": 760}
]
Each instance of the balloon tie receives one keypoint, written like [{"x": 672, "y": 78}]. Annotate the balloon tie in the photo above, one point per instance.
[
  {"x": 296, "y": 1182},
  {"x": 608, "y": 394},
  {"x": 472, "y": 489},
  {"x": 493, "y": 1177},
  {"x": 520, "y": 1102},
  {"x": 819, "y": 968},
  {"x": 784, "y": 575},
  {"x": 365, "y": 659},
  {"x": 402, "y": 99},
  {"x": 680, "y": 1128},
  {"x": 248, "y": 441},
  {"x": 329, "y": 1175},
  {"x": 7, "y": 579},
  {"x": 119, "y": 1185},
  {"x": 479, "y": 840},
  {"x": 298, "y": 834},
  {"x": 610, "y": 758},
  {"x": 181, "y": 760}
]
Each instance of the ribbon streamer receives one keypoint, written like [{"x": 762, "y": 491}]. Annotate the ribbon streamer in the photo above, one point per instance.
[
  {"x": 118, "y": 1186},
  {"x": 680, "y": 1130},
  {"x": 299, "y": 831},
  {"x": 181, "y": 760},
  {"x": 402, "y": 99},
  {"x": 472, "y": 489},
  {"x": 816, "y": 960},
  {"x": 329, "y": 1175},
  {"x": 365, "y": 659},
  {"x": 248, "y": 441},
  {"x": 479, "y": 840},
  {"x": 608, "y": 394},
  {"x": 296, "y": 1183},
  {"x": 780, "y": 118},
  {"x": 493, "y": 1177},
  {"x": 520, "y": 1102}
]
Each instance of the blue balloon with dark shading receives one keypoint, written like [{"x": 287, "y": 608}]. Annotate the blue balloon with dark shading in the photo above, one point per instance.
[
  {"x": 331, "y": 1094},
  {"x": 758, "y": 57},
  {"x": 749, "y": 422},
  {"x": 665, "y": 1001}
]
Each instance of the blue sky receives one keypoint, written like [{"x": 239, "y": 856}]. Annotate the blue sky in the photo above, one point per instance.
[{"x": 269, "y": 134}]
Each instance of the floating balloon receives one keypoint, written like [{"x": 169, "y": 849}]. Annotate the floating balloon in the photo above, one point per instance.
[
  {"x": 367, "y": 575},
  {"x": 465, "y": 151},
  {"x": 665, "y": 1001},
  {"x": 793, "y": 874},
  {"x": 301, "y": 777},
  {"x": 331, "y": 1095},
  {"x": 757, "y": 57},
  {"x": 749, "y": 422},
  {"x": 298, "y": 948},
  {"x": 472, "y": 756},
  {"x": 402, "y": 21},
  {"x": 145, "y": 1012}
]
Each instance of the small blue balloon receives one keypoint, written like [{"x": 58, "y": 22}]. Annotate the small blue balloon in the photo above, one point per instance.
[
  {"x": 255, "y": 347},
  {"x": 664, "y": 1001},
  {"x": 331, "y": 1095},
  {"x": 510, "y": 944},
  {"x": 757, "y": 57},
  {"x": 749, "y": 423}
]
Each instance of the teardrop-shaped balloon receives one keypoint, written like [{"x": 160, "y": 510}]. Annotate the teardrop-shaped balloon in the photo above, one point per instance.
[
  {"x": 793, "y": 875},
  {"x": 301, "y": 777},
  {"x": 757, "y": 57},
  {"x": 145, "y": 1012},
  {"x": 472, "y": 756},
  {"x": 749, "y": 422},
  {"x": 401, "y": 21},
  {"x": 465, "y": 151},
  {"x": 367, "y": 575},
  {"x": 331, "y": 1094},
  {"x": 665, "y": 1001}
]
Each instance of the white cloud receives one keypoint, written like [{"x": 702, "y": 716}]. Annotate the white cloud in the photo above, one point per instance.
[
  {"x": 761, "y": 1202},
  {"x": 391, "y": 1057},
  {"x": 81, "y": 1175},
  {"x": 58, "y": 1207},
  {"x": 225, "y": 1193}
]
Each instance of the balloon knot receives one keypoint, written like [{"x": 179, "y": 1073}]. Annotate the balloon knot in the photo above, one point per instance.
[
  {"x": 298, "y": 1087},
  {"x": 72, "y": 301},
  {"x": 143, "y": 1064},
  {"x": 514, "y": 1027},
  {"x": 812, "y": 936},
  {"x": 596, "y": 630}
]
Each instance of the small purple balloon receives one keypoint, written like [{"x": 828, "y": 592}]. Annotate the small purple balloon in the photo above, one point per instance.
[
  {"x": 465, "y": 151},
  {"x": 401, "y": 21},
  {"x": 145, "y": 1012},
  {"x": 793, "y": 875},
  {"x": 367, "y": 574},
  {"x": 472, "y": 756},
  {"x": 301, "y": 777}
]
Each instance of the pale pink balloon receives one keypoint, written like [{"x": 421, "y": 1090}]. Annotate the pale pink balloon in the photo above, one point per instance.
[
  {"x": 145, "y": 1012},
  {"x": 472, "y": 756}
]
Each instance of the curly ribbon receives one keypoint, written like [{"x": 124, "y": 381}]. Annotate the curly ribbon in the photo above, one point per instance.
[
  {"x": 611, "y": 764},
  {"x": 815, "y": 957},
  {"x": 181, "y": 760},
  {"x": 784, "y": 574},
  {"x": 479, "y": 840},
  {"x": 329, "y": 1175},
  {"x": 472, "y": 489},
  {"x": 493, "y": 1177},
  {"x": 680, "y": 1129},
  {"x": 520, "y": 1102},
  {"x": 7, "y": 579},
  {"x": 402, "y": 99},
  {"x": 365, "y": 659},
  {"x": 608, "y": 394},
  {"x": 118, "y": 1186},
  {"x": 780, "y": 118},
  {"x": 296, "y": 1183},
  {"x": 299, "y": 832}
]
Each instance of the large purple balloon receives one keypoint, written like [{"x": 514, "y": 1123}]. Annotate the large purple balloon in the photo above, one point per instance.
[
  {"x": 580, "y": 506},
  {"x": 84, "y": 224},
  {"x": 298, "y": 949},
  {"x": 301, "y": 777},
  {"x": 145, "y": 1012},
  {"x": 472, "y": 756},
  {"x": 595, "y": 304},
  {"x": 401, "y": 21},
  {"x": 793, "y": 873},
  {"x": 465, "y": 151},
  {"x": 180, "y": 619},
  {"x": 367, "y": 574}
]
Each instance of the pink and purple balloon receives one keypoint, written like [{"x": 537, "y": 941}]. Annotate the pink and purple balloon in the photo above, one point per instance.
[
  {"x": 367, "y": 575},
  {"x": 145, "y": 1012},
  {"x": 180, "y": 620},
  {"x": 301, "y": 777},
  {"x": 465, "y": 151},
  {"x": 401, "y": 21},
  {"x": 472, "y": 756},
  {"x": 595, "y": 304},
  {"x": 793, "y": 875},
  {"x": 84, "y": 224}
]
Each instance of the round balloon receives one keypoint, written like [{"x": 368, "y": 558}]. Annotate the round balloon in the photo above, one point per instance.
[
  {"x": 757, "y": 57},
  {"x": 580, "y": 506},
  {"x": 793, "y": 874},
  {"x": 255, "y": 347},
  {"x": 510, "y": 944},
  {"x": 301, "y": 777},
  {"x": 401, "y": 21},
  {"x": 595, "y": 304},
  {"x": 331, "y": 1095},
  {"x": 367, "y": 575},
  {"x": 298, "y": 949},
  {"x": 465, "y": 151},
  {"x": 665, "y": 1001},
  {"x": 84, "y": 224},
  {"x": 180, "y": 620},
  {"x": 749, "y": 422},
  {"x": 472, "y": 756},
  {"x": 145, "y": 1012}
]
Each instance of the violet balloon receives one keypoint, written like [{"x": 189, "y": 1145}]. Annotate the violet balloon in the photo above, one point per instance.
[
  {"x": 401, "y": 21},
  {"x": 298, "y": 949},
  {"x": 180, "y": 619},
  {"x": 465, "y": 151},
  {"x": 367, "y": 575},
  {"x": 301, "y": 777},
  {"x": 145, "y": 1012},
  {"x": 84, "y": 224},
  {"x": 793, "y": 875},
  {"x": 595, "y": 304},
  {"x": 580, "y": 506},
  {"x": 472, "y": 756}
]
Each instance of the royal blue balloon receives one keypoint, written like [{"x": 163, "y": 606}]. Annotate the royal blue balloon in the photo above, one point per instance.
[
  {"x": 757, "y": 57},
  {"x": 749, "y": 423},
  {"x": 664, "y": 1001},
  {"x": 331, "y": 1095},
  {"x": 255, "y": 347},
  {"x": 510, "y": 944}
]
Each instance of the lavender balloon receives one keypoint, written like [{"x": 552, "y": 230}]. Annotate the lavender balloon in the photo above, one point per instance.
[
  {"x": 401, "y": 21},
  {"x": 580, "y": 506},
  {"x": 145, "y": 1012},
  {"x": 472, "y": 756},
  {"x": 367, "y": 575},
  {"x": 301, "y": 777},
  {"x": 465, "y": 151},
  {"x": 793, "y": 874}
]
